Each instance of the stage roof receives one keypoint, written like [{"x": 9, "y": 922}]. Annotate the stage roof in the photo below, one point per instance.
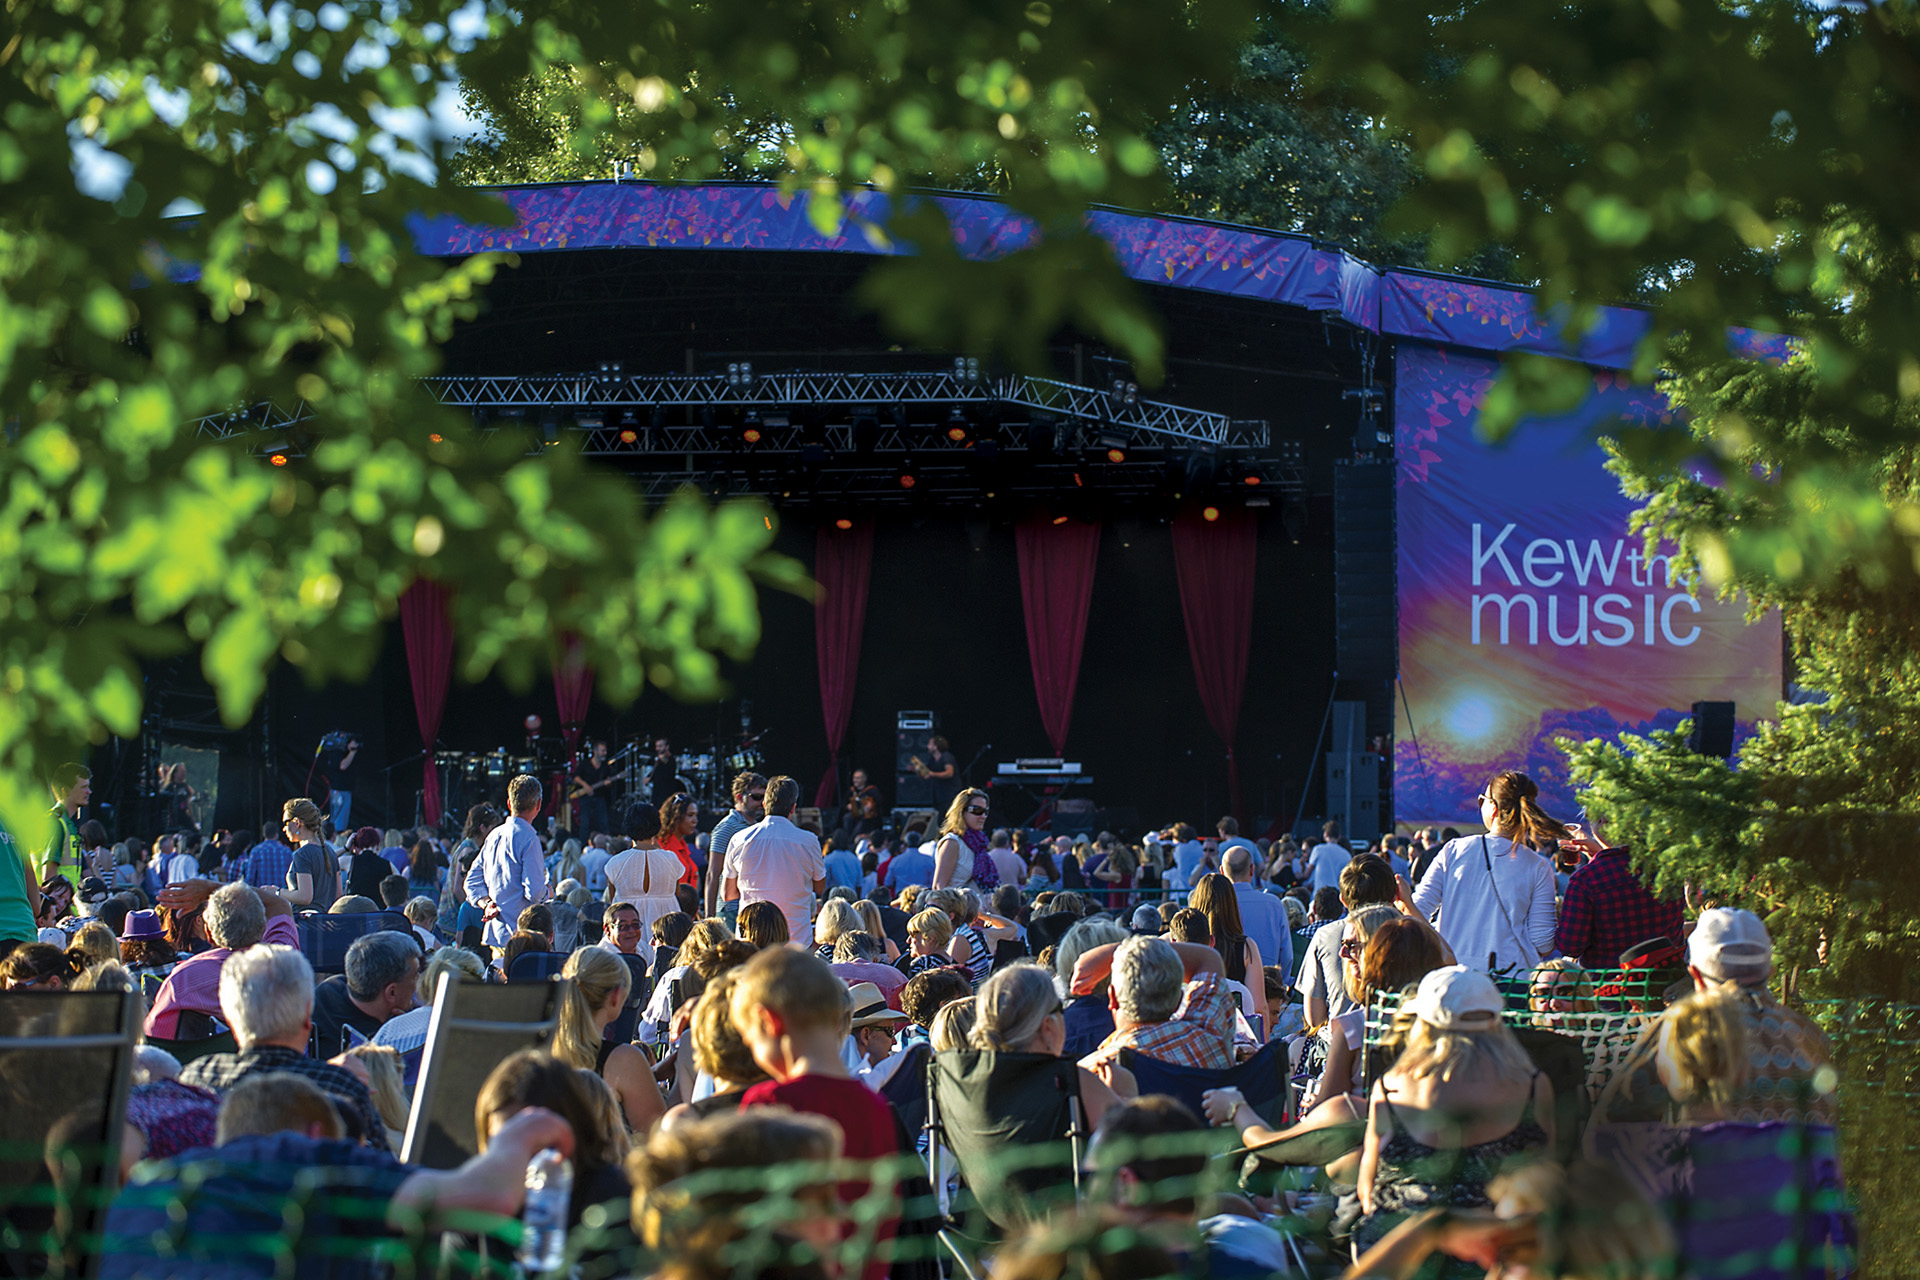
[{"x": 1182, "y": 253}]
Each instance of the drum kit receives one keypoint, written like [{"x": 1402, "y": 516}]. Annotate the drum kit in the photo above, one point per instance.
[{"x": 468, "y": 778}]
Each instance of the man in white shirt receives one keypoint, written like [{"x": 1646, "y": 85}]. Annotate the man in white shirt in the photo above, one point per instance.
[
  {"x": 1328, "y": 859},
  {"x": 510, "y": 875},
  {"x": 775, "y": 861}
]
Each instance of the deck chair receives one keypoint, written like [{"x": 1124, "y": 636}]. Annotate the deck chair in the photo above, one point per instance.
[
  {"x": 475, "y": 1026},
  {"x": 1762, "y": 1201},
  {"x": 620, "y": 1030},
  {"x": 538, "y": 966},
  {"x": 66, "y": 1063},
  {"x": 324, "y": 938},
  {"x": 187, "y": 1050},
  {"x": 1564, "y": 1063},
  {"x": 1014, "y": 1124},
  {"x": 1261, "y": 1078}
]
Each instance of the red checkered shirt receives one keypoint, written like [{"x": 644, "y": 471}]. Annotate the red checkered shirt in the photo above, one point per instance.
[
  {"x": 1608, "y": 910},
  {"x": 1200, "y": 1033}
]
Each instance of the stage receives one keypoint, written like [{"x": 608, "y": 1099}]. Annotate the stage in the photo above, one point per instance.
[{"x": 709, "y": 336}]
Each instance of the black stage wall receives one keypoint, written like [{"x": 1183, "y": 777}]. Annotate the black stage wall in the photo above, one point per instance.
[{"x": 945, "y": 633}]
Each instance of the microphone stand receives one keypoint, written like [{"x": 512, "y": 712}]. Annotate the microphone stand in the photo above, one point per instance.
[{"x": 966, "y": 774}]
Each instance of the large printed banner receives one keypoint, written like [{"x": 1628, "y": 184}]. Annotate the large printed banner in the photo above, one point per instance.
[{"x": 1528, "y": 612}]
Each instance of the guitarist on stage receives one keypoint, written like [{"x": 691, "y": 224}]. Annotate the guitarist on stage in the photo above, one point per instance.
[
  {"x": 862, "y": 812},
  {"x": 593, "y": 779}
]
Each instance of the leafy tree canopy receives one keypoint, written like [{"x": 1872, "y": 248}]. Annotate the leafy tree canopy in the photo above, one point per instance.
[
  {"x": 285, "y": 130},
  {"x": 1261, "y": 148}
]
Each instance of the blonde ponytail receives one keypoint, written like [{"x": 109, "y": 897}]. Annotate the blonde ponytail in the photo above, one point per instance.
[{"x": 594, "y": 973}]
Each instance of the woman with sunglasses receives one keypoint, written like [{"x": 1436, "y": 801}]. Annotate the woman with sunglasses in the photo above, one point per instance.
[{"x": 960, "y": 859}]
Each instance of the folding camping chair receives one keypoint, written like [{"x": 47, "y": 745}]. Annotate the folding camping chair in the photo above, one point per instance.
[
  {"x": 537, "y": 966},
  {"x": 474, "y": 1028},
  {"x": 1261, "y": 1079},
  {"x": 66, "y": 1064},
  {"x": 324, "y": 938},
  {"x": 1014, "y": 1124}
]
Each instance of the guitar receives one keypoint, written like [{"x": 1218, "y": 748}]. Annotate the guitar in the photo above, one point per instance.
[{"x": 581, "y": 789}]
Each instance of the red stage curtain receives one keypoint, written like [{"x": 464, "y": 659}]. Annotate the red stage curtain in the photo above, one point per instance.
[
  {"x": 1214, "y": 560},
  {"x": 572, "y": 690},
  {"x": 1056, "y": 586},
  {"x": 427, "y": 626},
  {"x": 842, "y": 565}
]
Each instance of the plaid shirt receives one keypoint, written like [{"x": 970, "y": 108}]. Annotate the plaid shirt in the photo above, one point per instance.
[
  {"x": 267, "y": 863},
  {"x": 1200, "y": 1033},
  {"x": 222, "y": 1071},
  {"x": 1608, "y": 910}
]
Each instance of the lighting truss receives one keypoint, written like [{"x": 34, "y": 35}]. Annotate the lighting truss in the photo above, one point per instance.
[
  {"x": 1149, "y": 421},
  {"x": 821, "y": 436}
]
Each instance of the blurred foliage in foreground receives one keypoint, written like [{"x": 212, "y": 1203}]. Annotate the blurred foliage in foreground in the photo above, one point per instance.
[{"x": 292, "y": 131}]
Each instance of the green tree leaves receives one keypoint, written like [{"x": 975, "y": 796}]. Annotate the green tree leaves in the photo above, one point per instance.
[{"x": 130, "y": 528}]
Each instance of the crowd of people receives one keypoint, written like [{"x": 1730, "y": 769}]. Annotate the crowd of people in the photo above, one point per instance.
[{"x": 764, "y": 993}]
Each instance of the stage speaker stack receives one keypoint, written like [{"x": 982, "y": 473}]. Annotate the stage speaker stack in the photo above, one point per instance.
[
  {"x": 1712, "y": 729},
  {"x": 911, "y": 731},
  {"x": 1366, "y": 641},
  {"x": 1353, "y": 774}
]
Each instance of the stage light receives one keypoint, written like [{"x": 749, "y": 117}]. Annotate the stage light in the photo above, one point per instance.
[
  {"x": 278, "y": 459},
  {"x": 909, "y": 474},
  {"x": 628, "y": 435},
  {"x": 843, "y": 523},
  {"x": 740, "y": 374},
  {"x": 750, "y": 433},
  {"x": 966, "y": 369},
  {"x": 957, "y": 430},
  {"x": 1116, "y": 454},
  {"x": 1059, "y": 519},
  {"x": 433, "y": 437},
  {"x": 1210, "y": 514}
]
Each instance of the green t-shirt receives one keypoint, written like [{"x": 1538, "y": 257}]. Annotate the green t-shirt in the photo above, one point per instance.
[
  {"x": 63, "y": 850},
  {"x": 16, "y": 909}
]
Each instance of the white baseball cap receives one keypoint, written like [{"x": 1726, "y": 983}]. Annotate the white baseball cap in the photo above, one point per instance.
[
  {"x": 1730, "y": 942},
  {"x": 1456, "y": 998}
]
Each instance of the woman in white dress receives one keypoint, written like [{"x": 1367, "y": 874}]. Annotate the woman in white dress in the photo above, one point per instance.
[{"x": 646, "y": 874}]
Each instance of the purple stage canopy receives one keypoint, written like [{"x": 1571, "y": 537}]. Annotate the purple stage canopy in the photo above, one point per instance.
[{"x": 1184, "y": 253}]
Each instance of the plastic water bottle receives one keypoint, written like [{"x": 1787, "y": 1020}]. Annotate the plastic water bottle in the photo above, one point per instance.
[{"x": 543, "y": 1240}]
